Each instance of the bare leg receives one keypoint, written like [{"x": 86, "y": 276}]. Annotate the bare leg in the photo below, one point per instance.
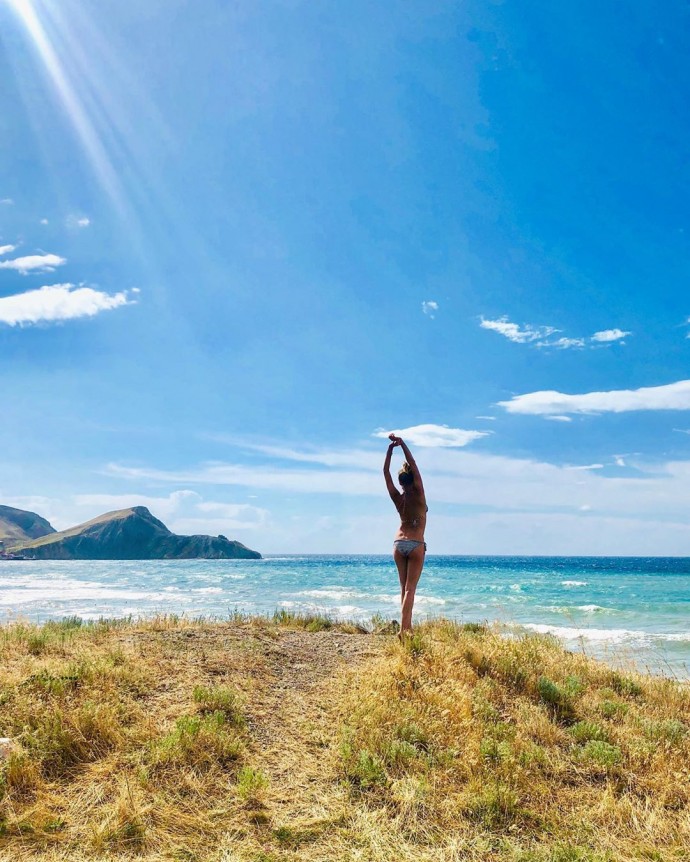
[
  {"x": 401, "y": 563},
  {"x": 415, "y": 564}
]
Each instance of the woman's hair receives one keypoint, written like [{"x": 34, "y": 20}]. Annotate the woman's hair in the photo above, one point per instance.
[{"x": 405, "y": 476}]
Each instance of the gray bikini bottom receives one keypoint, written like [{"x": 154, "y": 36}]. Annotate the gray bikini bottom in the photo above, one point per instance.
[{"x": 406, "y": 546}]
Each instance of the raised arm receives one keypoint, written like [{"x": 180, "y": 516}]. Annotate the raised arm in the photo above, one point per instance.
[{"x": 392, "y": 490}]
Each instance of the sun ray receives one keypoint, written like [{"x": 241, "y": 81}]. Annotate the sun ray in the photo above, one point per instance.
[{"x": 26, "y": 10}]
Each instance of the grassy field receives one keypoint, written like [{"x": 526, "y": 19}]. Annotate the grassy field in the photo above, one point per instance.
[{"x": 296, "y": 739}]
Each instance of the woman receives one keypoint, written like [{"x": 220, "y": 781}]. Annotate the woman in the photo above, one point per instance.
[{"x": 409, "y": 547}]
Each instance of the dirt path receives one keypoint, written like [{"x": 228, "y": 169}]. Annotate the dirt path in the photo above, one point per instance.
[{"x": 294, "y": 727}]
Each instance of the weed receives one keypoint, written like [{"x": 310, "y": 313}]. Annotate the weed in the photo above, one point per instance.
[
  {"x": 601, "y": 754},
  {"x": 219, "y": 698},
  {"x": 250, "y": 783},
  {"x": 584, "y": 731}
]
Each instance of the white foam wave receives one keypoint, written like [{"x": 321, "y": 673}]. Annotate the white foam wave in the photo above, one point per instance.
[
  {"x": 334, "y": 593},
  {"x": 574, "y": 583},
  {"x": 606, "y": 635}
]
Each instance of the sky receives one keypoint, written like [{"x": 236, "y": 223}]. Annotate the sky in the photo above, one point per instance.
[{"x": 242, "y": 241}]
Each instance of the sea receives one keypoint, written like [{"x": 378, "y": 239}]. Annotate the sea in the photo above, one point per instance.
[{"x": 632, "y": 612}]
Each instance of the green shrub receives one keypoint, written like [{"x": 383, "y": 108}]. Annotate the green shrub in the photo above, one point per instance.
[
  {"x": 219, "y": 698},
  {"x": 584, "y": 731},
  {"x": 602, "y": 754},
  {"x": 670, "y": 730},
  {"x": 198, "y": 740},
  {"x": 250, "y": 783}
]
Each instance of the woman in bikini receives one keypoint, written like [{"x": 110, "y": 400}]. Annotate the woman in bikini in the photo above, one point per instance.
[{"x": 409, "y": 547}]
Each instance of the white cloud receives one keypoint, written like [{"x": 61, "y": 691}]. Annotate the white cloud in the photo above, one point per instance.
[
  {"x": 609, "y": 335},
  {"x": 33, "y": 263},
  {"x": 620, "y": 462},
  {"x": 513, "y": 332},
  {"x": 563, "y": 343},
  {"x": 187, "y": 509},
  {"x": 44, "y": 221},
  {"x": 559, "y": 418},
  {"x": 6, "y": 249},
  {"x": 672, "y": 396},
  {"x": 58, "y": 302},
  {"x": 6, "y": 201},
  {"x": 435, "y": 436},
  {"x": 78, "y": 221},
  {"x": 586, "y": 467},
  {"x": 429, "y": 307}
]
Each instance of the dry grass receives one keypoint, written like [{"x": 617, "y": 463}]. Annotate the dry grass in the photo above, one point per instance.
[{"x": 297, "y": 738}]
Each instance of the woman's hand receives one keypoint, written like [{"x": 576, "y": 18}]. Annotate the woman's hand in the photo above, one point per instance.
[{"x": 395, "y": 441}]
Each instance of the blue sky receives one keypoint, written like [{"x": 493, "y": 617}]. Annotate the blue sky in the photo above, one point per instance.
[{"x": 239, "y": 239}]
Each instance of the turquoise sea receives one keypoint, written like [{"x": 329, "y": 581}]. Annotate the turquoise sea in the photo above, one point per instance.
[{"x": 622, "y": 609}]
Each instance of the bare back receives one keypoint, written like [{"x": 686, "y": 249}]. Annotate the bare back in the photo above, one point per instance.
[{"x": 412, "y": 508}]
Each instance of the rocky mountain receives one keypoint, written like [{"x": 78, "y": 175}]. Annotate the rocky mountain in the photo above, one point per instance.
[
  {"x": 18, "y": 525},
  {"x": 131, "y": 534}
]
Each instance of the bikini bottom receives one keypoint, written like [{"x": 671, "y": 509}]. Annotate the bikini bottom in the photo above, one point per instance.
[{"x": 406, "y": 546}]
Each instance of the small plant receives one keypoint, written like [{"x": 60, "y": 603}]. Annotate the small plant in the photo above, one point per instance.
[
  {"x": 364, "y": 769},
  {"x": 670, "y": 730},
  {"x": 556, "y": 698},
  {"x": 602, "y": 754},
  {"x": 494, "y": 806},
  {"x": 414, "y": 735},
  {"x": 400, "y": 753},
  {"x": 37, "y": 642},
  {"x": 495, "y": 752},
  {"x": 584, "y": 731},
  {"x": 250, "y": 783},
  {"x": 198, "y": 740},
  {"x": 413, "y": 644},
  {"x": 473, "y": 628},
  {"x": 612, "y": 708},
  {"x": 624, "y": 685},
  {"x": 219, "y": 698}
]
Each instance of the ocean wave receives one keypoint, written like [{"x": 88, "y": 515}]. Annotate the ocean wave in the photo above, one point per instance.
[
  {"x": 335, "y": 593},
  {"x": 568, "y": 609},
  {"x": 574, "y": 583},
  {"x": 606, "y": 635},
  {"x": 76, "y": 592}
]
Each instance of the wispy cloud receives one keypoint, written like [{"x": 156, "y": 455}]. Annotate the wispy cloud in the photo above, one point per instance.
[
  {"x": 78, "y": 221},
  {"x": 540, "y": 336},
  {"x": 430, "y": 307},
  {"x": 608, "y": 335},
  {"x": 44, "y": 221},
  {"x": 33, "y": 263},
  {"x": 672, "y": 396},
  {"x": 563, "y": 343},
  {"x": 435, "y": 436},
  {"x": 520, "y": 335},
  {"x": 58, "y": 302},
  {"x": 6, "y": 202},
  {"x": 6, "y": 249},
  {"x": 557, "y": 418},
  {"x": 189, "y": 512}
]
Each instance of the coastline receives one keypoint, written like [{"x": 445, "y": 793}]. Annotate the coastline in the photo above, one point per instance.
[
  {"x": 300, "y": 738},
  {"x": 625, "y": 610}
]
